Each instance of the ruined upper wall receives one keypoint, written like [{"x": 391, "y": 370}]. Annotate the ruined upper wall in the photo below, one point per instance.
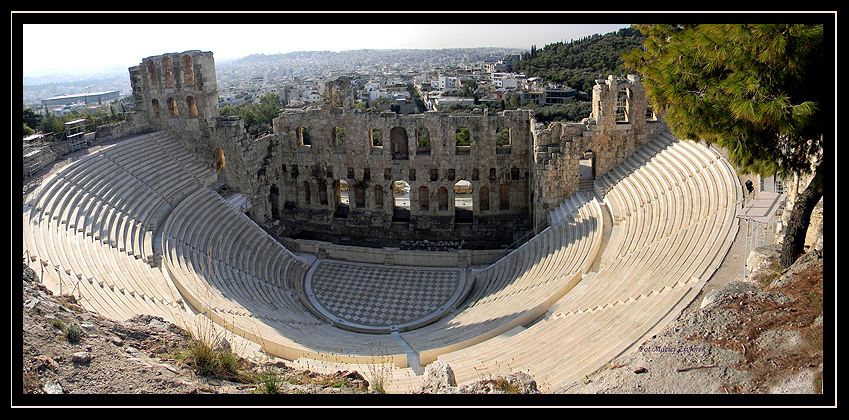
[
  {"x": 515, "y": 166},
  {"x": 171, "y": 88},
  {"x": 620, "y": 122},
  {"x": 373, "y": 149}
]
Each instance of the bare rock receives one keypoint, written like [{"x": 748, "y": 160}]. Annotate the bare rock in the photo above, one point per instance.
[
  {"x": 53, "y": 388},
  {"x": 437, "y": 377},
  {"x": 81, "y": 357},
  {"x": 732, "y": 288}
]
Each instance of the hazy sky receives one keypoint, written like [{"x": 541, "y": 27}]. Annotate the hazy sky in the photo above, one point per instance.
[{"x": 127, "y": 44}]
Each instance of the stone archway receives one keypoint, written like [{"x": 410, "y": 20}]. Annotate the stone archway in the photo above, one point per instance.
[
  {"x": 463, "y": 202},
  {"x": 401, "y": 201}
]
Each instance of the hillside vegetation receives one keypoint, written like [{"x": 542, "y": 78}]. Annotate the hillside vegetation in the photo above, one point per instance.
[{"x": 579, "y": 63}]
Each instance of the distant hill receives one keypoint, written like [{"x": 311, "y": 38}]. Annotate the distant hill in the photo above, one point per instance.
[
  {"x": 392, "y": 56},
  {"x": 578, "y": 63}
]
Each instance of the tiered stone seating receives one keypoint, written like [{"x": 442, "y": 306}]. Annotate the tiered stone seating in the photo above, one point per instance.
[
  {"x": 674, "y": 205},
  {"x": 94, "y": 221},
  {"x": 231, "y": 269},
  {"x": 521, "y": 286}
]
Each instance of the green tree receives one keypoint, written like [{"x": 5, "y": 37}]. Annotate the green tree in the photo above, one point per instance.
[
  {"x": 258, "y": 118},
  {"x": 28, "y": 131},
  {"x": 580, "y": 62},
  {"x": 755, "y": 90},
  {"x": 462, "y": 137},
  {"x": 31, "y": 119}
]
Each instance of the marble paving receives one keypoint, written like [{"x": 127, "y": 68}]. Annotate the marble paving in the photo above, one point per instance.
[{"x": 382, "y": 296}]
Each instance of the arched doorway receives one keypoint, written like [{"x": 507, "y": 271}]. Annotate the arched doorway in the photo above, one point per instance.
[
  {"x": 484, "y": 198},
  {"x": 401, "y": 201},
  {"x": 463, "y": 202},
  {"x": 586, "y": 170},
  {"x": 342, "y": 201},
  {"x": 442, "y": 196}
]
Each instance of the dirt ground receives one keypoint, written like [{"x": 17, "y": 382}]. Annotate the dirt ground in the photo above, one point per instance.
[{"x": 750, "y": 340}]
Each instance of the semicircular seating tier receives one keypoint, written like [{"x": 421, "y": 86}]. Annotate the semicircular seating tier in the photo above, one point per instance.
[
  {"x": 90, "y": 226},
  {"x": 229, "y": 267},
  {"x": 611, "y": 267},
  {"x": 673, "y": 204}
]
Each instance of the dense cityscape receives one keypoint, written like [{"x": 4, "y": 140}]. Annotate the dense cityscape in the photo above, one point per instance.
[{"x": 297, "y": 78}]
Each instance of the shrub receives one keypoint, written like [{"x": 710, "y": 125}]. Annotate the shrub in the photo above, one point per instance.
[{"x": 74, "y": 333}]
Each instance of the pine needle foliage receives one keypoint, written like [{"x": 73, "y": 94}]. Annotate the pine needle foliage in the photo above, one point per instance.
[{"x": 755, "y": 90}]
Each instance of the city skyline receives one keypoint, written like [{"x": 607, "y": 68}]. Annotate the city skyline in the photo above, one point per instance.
[{"x": 228, "y": 41}]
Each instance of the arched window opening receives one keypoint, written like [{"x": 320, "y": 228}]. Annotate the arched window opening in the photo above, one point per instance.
[
  {"x": 154, "y": 104},
  {"x": 442, "y": 196},
  {"x": 398, "y": 140},
  {"x": 190, "y": 104},
  {"x": 622, "y": 99},
  {"x": 502, "y": 140},
  {"x": 422, "y": 141},
  {"x": 376, "y": 137},
  {"x": 424, "y": 198},
  {"x": 462, "y": 141},
  {"x": 337, "y": 136},
  {"x": 463, "y": 201},
  {"x": 188, "y": 70},
  {"x": 167, "y": 72},
  {"x": 172, "y": 108},
  {"x": 303, "y": 136},
  {"x": 483, "y": 198}
]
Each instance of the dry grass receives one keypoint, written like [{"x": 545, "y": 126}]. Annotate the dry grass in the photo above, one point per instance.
[{"x": 757, "y": 316}]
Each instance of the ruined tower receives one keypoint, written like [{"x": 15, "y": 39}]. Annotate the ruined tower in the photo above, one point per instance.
[{"x": 176, "y": 91}]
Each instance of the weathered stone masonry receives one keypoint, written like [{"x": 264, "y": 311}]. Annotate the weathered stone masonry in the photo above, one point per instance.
[
  {"x": 379, "y": 149},
  {"x": 299, "y": 172},
  {"x": 620, "y": 123}
]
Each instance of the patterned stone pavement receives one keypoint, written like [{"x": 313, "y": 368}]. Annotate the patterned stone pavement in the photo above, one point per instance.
[{"x": 370, "y": 296}]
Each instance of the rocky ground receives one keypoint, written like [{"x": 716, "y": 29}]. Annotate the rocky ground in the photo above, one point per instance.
[{"x": 742, "y": 339}]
